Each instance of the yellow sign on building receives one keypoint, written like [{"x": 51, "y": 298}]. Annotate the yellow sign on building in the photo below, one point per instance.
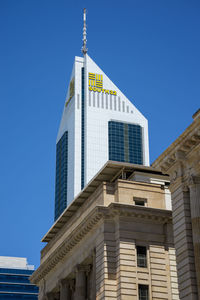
[
  {"x": 95, "y": 83},
  {"x": 71, "y": 91}
]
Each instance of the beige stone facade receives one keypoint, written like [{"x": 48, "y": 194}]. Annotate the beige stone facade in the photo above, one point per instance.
[
  {"x": 182, "y": 162},
  {"x": 115, "y": 240}
]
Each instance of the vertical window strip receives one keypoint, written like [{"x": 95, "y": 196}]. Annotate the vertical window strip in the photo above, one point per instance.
[
  {"x": 102, "y": 100},
  {"x": 78, "y": 101},
  {"x": 110, "y": 101},
  {"x": 126, "y": 143},
  {"x": 123, "y": 106},
  {"x": 106, "y": 101},
  {"x": 135, "y": 144},
  {"x": 115, "y": 103},
  {"x": 93, "y": 99},
  {"x": 61, "y": 175},
  {"x": 82, "y": 129},
  {"x": 90, "y": 98},
  {"x": 119, "y": 104},
  {"x": 98, "y": 100}
]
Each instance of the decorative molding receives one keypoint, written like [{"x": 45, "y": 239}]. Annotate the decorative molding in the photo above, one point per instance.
[
  {"x": 193, "y": 180},
  {"x": 180, "y": 148},
  {"x": 185, "y": 187},
  {"x": 98, "y": 213}
]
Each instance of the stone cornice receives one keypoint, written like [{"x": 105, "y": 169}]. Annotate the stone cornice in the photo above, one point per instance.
[
  {"x": 180, "y": 148},
  {"x": 98, "y": 213},
  {"x": 67, "y": 245}
]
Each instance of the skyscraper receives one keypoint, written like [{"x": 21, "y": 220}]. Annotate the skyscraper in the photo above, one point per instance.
[{"x": 98, "y": 124}]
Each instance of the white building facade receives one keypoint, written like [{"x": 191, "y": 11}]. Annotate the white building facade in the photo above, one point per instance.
[{"x": 98, "y": 124}]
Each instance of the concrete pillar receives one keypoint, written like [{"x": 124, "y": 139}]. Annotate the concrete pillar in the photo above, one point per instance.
[
  {"x": 194, "y": 186},
  {"x": 65, "y": 293},
  {"x": 80, "y": 288}
]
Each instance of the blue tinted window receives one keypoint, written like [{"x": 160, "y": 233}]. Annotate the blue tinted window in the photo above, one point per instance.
[
  {"x": 125, "y": 142},
  {"x": 6, "y": 296},
  {"x": 61, "y": 175},
  {"x": 15, "y": 285},
  {"x": 82, "y": 131},
  {"x": 14, "y": 278},
  {"x": 15, "y": 271}
]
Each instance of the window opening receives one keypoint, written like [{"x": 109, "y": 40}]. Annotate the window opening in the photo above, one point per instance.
[{"x": 141, "y": 256}]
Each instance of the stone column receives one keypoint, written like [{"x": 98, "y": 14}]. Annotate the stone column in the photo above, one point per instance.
[
  {"x": 72, "y": 289},
  {"x": 93, "y": 277},
  {"x": 194, "y": 186},
  {"x": 80, "y": 288},
  {"x": 64, "y": 290}
]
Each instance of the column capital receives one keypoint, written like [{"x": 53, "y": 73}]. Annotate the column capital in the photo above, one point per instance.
[
  {"x": 64, "y": 281},
  {"x": 185, "y": 187},
  {"x": 83, "y": 268},
  {"x": 193, "y": 180}
]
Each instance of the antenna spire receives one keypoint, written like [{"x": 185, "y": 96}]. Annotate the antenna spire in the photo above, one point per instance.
[{"x": 84, "y": 48}]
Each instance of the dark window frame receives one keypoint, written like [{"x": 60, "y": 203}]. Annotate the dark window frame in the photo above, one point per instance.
[
  {"x": 141, "y": 256},
  {"x": 140, "y": 201},
  {"x": 143, "y": 292}
]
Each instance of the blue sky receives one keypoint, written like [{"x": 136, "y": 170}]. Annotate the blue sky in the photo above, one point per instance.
[{"x": 149, "y": 49}]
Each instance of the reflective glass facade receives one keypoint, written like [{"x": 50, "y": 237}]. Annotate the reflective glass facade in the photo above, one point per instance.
[
  {"x": 125, "y": 142},
  {"x": 15, "y": 285},
  {"x": 82, "y": 130},
  {"x": 61, "y": 175}
]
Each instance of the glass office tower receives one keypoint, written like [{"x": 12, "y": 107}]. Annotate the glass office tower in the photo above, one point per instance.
[
  {"x": 98, "y": 124},
  {"x": 14, "y": 279}
]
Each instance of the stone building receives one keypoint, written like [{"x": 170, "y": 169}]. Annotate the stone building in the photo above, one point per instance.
[
  {"x": 114, "y": 241},
  {"x": 181, "y": 161}
]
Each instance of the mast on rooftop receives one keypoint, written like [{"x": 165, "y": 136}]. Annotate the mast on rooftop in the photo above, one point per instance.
[{"x": 84, "y": 48}]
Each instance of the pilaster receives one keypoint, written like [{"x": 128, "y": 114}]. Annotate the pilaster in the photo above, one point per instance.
[
  {"x": 194, "y": 186},
  {"x": 65, "y": 293},
  {"x": 183, "y": 243},
  {"x": 81, "y": 288}
]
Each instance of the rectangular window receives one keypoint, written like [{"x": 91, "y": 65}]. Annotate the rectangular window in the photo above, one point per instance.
[
  {"x": 141, "y": 256},
  {"x": 140, "y": 201},
  {"x": 143, "y": 291},
  {"x": 125, "y": 142}
]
